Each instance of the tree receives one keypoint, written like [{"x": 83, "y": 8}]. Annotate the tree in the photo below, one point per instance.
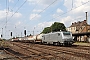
[
  {"x": 58, "y": 26},
  {"x": 54, "y": 28},
  {"x": 46, "y": 30},
  {"x": 30, "y": 35}
]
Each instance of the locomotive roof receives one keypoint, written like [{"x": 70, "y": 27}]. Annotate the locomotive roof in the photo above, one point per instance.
[{"x": 56, "y": 32}]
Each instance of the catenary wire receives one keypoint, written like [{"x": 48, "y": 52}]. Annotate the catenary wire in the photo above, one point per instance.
[
  {"x": 70, "y": 10},
  {"x": 16, "y": 11},
  {"x": 14, "y": 5},
  {"x": 45, "y": 8}
]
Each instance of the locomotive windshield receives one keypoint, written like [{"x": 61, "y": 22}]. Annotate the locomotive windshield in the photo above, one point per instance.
[{"x": 66, "y": 33}]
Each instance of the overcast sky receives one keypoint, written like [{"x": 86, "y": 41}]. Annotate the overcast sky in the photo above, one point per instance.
[{"x": 35, "y": 15}]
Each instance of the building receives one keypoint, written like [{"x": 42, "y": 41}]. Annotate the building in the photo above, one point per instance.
[{"x": 80, "y": 27}]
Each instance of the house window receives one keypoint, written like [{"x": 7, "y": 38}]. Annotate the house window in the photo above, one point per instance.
[
  {"x": 71, "y": 28},
  {"x": 74, "y": 28}
]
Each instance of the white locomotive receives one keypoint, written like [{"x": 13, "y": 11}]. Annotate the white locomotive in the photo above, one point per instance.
[{"x": 58, "y": 38}]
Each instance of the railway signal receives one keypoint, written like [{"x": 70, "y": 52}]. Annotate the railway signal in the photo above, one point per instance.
[
  {"x": 11, "y": 34},
  {"x": 1, "y": 35},
  {"x": 25, "y": 32}
]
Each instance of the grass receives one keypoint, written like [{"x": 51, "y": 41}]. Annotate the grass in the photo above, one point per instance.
[
  {"x": 82, "y": 43},
  {"x": 3, "y": 44}
]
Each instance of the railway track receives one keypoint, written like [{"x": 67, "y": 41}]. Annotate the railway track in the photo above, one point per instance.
[
  {"x": 21, "y": 54},
  {"x": 83, "y": 49},
  {"x": 44, "y": 52},
  {"x": 13, "y": 53},
  {"x": 80, "y": 51},
  {"x": 69, "y": 50}
]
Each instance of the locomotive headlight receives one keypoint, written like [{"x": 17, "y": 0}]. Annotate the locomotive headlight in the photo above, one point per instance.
[
  {"x": 65, "y": 39},
  {"x": 70, "y": 42}
]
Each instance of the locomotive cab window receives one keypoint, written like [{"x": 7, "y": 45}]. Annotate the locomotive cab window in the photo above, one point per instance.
[
  {"x": 58, "y": 34},
  {"x": 66, "y": 33}
]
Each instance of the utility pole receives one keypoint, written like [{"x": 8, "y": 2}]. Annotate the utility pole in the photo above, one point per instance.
[
  {"x": 21, "y": 34},
  {"x": 72, "y": 4},
  {"x": 86, "y": 27},
  {"x": 86, "y": 22},
  {"x": 34, "y": 31}
]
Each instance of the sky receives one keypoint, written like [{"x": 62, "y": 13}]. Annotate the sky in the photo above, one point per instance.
[{"x": 34, "y": 15}]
